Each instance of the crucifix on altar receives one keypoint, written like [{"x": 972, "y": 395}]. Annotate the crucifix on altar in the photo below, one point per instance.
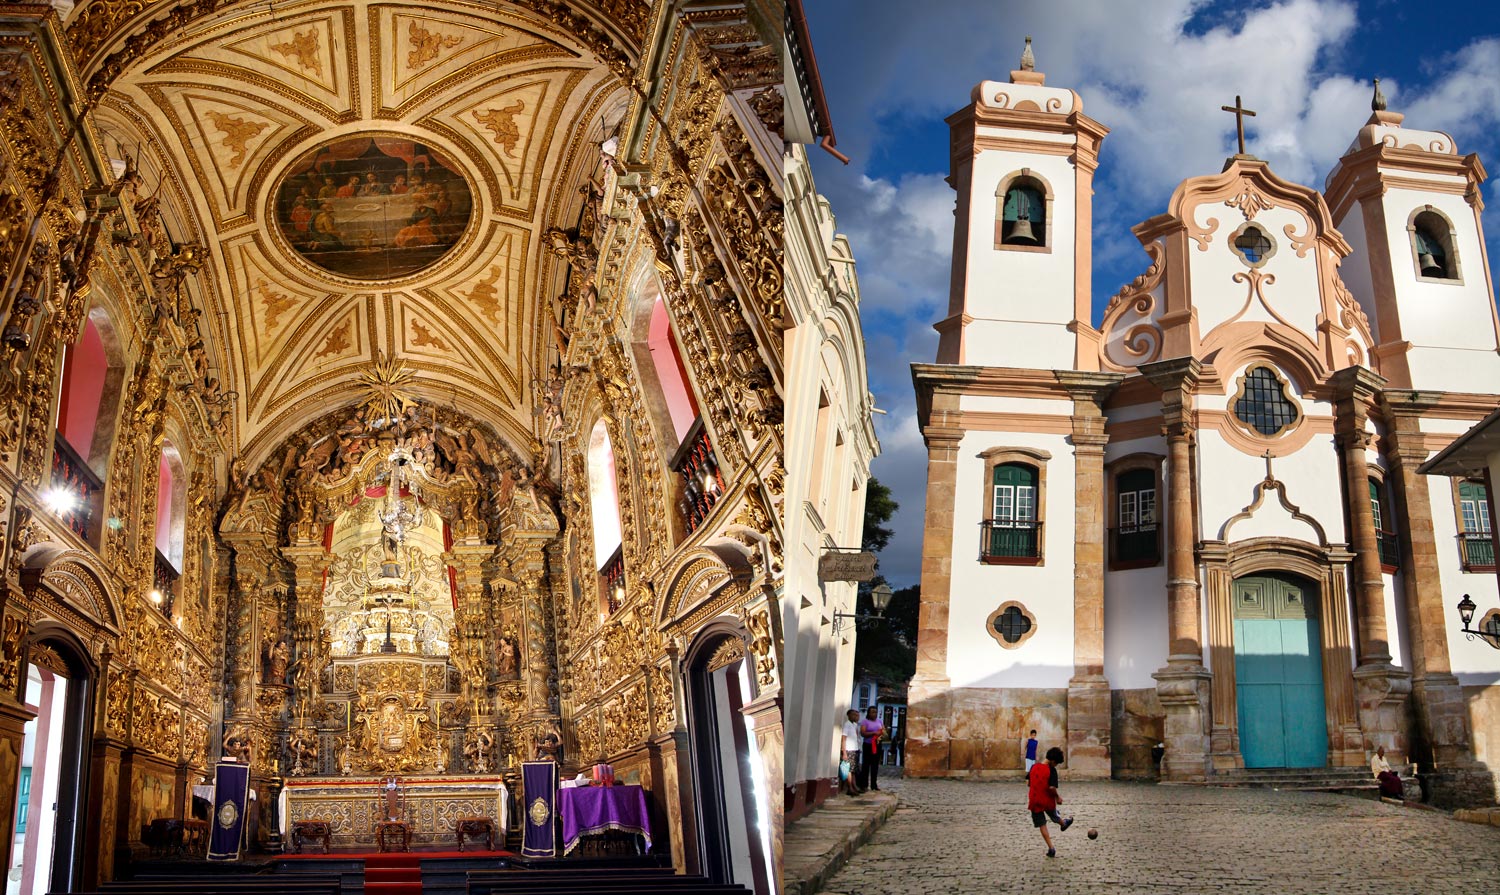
[{"x": 1240, "y": 113}]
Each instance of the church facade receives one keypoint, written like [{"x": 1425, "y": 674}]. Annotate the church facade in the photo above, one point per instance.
[
  {"x": 1193, "y": 539},
  {"x": 389, "y": 391}
]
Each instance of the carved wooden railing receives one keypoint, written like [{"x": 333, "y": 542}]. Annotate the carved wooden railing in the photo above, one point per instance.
[
  {"x": 1010, "y": 542},
  {"x": 71, "y": 475},
  {"x": 612, "y": 579},
  {"x": 702, "y": 485},
  {"x": 164, "y": 581},
  {"x": 1390, "y": 550}
]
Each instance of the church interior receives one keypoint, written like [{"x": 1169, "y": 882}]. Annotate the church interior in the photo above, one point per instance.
[{"x": 391, "y": 428}]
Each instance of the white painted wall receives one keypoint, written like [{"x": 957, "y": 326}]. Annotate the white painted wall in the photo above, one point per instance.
[
  {"x": 975, "y": 659},
  {"x": 1474, "y": 661},
  {"x": 1294, "y": 294}
]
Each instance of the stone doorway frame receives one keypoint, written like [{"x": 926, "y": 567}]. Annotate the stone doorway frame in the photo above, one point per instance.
[{"x": 1327, "y": 567}]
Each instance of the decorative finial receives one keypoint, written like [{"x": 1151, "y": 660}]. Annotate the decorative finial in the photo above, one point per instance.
[
  {"x": 1028, "y": 61},
  {"x": 1377, "y": 103}
]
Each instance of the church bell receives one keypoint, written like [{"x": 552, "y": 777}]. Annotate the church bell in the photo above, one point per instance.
[
  {"x": 1429, "y": 265},
  {"x": 1021, "y": 233}
]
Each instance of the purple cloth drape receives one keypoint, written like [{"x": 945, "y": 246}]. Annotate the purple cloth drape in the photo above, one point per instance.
[
  {"x": 594, "y": 809},
  {"x": 539, "y": 780}
]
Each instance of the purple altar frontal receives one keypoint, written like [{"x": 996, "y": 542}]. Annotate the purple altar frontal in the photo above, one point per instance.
[{"x": 593, "y": 809}]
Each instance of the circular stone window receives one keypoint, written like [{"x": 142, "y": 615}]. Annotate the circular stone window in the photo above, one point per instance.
[
  {"x": 373, "y": 207},
  {"x": 1011, "y": 625}
]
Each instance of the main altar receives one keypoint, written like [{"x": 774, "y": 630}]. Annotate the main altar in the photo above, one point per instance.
[
  {"x": 408, "y": 681},
  {"x": 430, "y": 806}
]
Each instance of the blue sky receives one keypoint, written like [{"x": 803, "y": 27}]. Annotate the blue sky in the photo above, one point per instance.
[{"x": 1156, "y": 74}]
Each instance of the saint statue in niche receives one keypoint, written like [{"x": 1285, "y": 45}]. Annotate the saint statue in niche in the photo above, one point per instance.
[
  {"x": 390, "y": 726},
  {"x": 509, "y": 658}
]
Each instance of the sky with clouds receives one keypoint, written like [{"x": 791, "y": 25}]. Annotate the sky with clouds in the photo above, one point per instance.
[{"x": 1155, "y": 73}]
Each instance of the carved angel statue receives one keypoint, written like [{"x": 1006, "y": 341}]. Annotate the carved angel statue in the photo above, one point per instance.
[
  {"x": 237, "y": 745},
  {"x": 549, "y": 743},
  {"x": 477, "y": 748},
  {"x": 303, "y": 746}
]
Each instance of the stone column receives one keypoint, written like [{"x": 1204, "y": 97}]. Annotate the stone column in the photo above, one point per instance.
[
  {"x": 1183, "y": 685},
  {"x": 1089, "y": 711},
  {"x": 928, "y": 695},
  {"x": 1381, "y": 689},
  {"x": 1442, "y": 716}
]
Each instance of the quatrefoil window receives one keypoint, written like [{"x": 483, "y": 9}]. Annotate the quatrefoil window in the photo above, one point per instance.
[
  {"x": 1263, "y": 405},
  {"x": 1254, "y": 246},
  {"x": 1011, "y": 625}
]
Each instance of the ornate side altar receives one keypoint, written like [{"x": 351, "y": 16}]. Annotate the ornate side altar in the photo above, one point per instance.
[{"x": 430, "y": 806}]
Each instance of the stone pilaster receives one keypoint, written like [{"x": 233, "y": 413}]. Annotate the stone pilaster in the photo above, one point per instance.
[
  {"x": 1381, "y": 689},
  {"x": 927, "y": 749},
  {"x": 1089, "y": 711},
  {"x": 1183, "y": 685},
  {"x": 1437, "y": 700}
]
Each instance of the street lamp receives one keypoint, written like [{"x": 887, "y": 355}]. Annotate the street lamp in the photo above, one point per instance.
[
  {"x": 1466, "y": 609},
  {"x": 880, "y": 596}
]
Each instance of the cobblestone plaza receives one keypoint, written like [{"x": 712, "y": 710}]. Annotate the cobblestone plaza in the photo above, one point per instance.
[{"x": 959, "y": 837}]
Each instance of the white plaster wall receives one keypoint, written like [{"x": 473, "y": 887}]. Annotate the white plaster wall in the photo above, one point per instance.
[
  {"x": 1135, "y": 600},
  {"x": 975, "y": 659},
  {"x": 1226, "y": 485},
  {"x": 1020, "y": 301},
  {"x": 1295, "y": 293},
  {"x": 1474, "y": 661},
  {"x": 1451, "y": 327},
  {"x": 1355, "y": 271}
]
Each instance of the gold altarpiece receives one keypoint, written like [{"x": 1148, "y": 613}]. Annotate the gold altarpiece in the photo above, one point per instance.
[{"x": 423, "y": 656}]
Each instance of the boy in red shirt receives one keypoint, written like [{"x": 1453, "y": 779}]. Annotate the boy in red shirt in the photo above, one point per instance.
[{"x": 1042, "y": 798}]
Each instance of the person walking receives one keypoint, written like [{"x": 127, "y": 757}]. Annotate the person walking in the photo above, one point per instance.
[
  {"x": 1042, "y": 797},
  {"x": 1031, "y": 750},
  {"x": 871, "y": 731},
  {"x": 849, "y": 754}
]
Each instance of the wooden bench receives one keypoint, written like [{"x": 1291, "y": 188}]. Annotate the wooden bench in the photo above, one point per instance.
[
  {"x": 475, "y": 827},
  {"x": 310, "y": 829}
]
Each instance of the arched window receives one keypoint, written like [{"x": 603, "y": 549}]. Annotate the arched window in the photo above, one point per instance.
[
  {"x": 604, "y": 507},
  {"x": 1023, "y": 213},
  {"x": 1475, "y": 540},
  {"x": 1011, "y": 530},
  {"x": 1385, "y": 535},
  {"x": 681, "y": 406},
  {"x": 84, "y": 431},
  {"x": 1432, "y": 246},
  {"x": 171, "y": 494}
]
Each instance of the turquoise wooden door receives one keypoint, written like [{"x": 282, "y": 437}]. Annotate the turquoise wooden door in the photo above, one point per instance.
[{"x": 1278, "y": 670}]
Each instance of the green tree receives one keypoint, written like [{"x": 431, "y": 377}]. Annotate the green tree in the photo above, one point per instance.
[{"x": 879, "y": 508}]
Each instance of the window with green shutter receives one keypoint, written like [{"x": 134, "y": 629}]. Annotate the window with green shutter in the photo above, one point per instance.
[
  {"x": 1011, "y": 532},
  {"x": 1390, "y": 556},
  {"x": 1475, "y": 541}
]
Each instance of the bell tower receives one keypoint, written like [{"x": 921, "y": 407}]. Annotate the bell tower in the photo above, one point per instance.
[
  {"x": 1410, "y": 206},
  {"x": 1022, "y": 159}
]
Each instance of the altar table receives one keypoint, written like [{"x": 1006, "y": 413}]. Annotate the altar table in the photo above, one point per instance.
[
  {"x": 431, "y": 806},
  {"x": 593, "y": 809}
]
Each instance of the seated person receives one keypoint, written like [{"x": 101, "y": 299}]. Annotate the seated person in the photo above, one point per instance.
[{"x": 1390, "y": 782}]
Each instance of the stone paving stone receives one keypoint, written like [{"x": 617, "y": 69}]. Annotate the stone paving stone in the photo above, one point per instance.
[
  {"x": 961, "y": 836},
  {"x": 819, "y": 844}
]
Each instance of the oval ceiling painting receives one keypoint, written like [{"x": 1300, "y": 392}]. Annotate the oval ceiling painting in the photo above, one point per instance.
[{"x": 373, "y": 207}]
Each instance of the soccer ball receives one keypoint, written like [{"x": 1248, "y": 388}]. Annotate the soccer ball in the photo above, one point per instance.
[{"x": 1093, "y": 834}]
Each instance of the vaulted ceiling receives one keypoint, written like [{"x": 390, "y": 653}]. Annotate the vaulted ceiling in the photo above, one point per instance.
[{"x": 249, "y": 123}]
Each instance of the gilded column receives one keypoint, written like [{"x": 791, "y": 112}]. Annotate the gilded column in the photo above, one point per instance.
[
  {"x": 1183, "y": 685},
  {"x": 1089, "y": 712},
  {"x": 14, "y": 627},
  {"x": 1381, "y": 688},
  {"x": 1437, "y": 698}
]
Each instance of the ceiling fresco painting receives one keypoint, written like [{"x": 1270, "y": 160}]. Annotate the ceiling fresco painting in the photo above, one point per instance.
[{"x": 373, "y": 207}]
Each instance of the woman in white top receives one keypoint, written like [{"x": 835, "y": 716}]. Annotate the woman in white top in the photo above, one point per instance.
[{"x": 850, "y": 753}]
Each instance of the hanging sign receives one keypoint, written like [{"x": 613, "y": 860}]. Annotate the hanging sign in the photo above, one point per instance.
[{"x": 854, "y": 566}]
